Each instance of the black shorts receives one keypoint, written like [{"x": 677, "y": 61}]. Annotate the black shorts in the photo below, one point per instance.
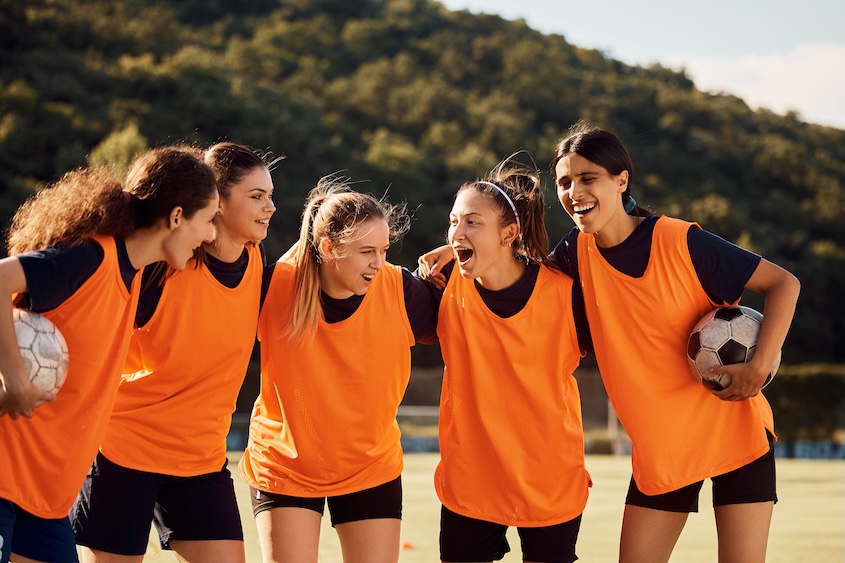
[
  {"x": 467, "y": 539},
  {"x": 383, "y": 501},
  {"x": 39, "y": 539},
  {"x": 116, "y": 505},
  {"x": 754, "y": 482}
]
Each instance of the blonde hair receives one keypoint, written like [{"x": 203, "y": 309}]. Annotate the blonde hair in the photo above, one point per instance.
[{"x": 333, "y": 212}]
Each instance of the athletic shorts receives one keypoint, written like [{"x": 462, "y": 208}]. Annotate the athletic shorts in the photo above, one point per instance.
[
  {"x": 467, "y": 539},
  {"x": 39, "y": 539},
  {"x": 383, "y": 501},
  {"x": 754, "y": 482},
  {"x": 116, "y": 505}
]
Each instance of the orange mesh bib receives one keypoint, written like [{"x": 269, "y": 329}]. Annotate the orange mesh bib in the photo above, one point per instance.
[
  {"x": 175, "y": 405},
  {"x": 680, "y": 432},
  {"x": 46, "y": 457},
  {"x": 338, "y": 393},
  {"x": 511, "y": 440}
]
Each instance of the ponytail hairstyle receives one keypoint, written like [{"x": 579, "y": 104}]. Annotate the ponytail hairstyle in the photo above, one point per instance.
[
  {"x": 231, "y": 162},
  {"x": 516, "y": 193},
  {"x": 604, "y": 148},
  {"x": 333, "y": 212},
  {"x": 90, "y": 201}
]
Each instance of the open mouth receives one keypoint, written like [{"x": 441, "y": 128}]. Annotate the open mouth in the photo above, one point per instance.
[
  {"x": 583, "y": 209},
  {"x": 463, "y": 254},
  {"x": 368, "y": 277}
]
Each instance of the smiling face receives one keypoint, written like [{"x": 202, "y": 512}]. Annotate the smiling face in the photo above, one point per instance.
[
  {"x": 245, "y": 213},
  {"x": 592, "y": 197},
  {"x": 477, "y": 237},
  {"x": 349, "y": 269},
  {"x": 187, "y": 234}
]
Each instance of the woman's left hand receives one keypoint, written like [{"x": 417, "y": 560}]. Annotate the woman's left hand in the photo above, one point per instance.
[{"x": 746, "y": 380}]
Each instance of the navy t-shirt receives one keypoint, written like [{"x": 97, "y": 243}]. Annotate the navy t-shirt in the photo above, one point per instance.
[{"x": 55, "y": 273}]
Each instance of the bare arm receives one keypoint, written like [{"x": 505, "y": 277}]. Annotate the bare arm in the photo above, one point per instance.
[
  {"x": 431, "y": 262},
  {"x": 18, "y": 396},
  {"x": 781, "y": 290}
]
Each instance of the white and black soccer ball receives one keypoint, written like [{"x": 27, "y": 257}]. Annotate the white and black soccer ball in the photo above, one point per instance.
[
  {"x": 43, "y": 349},
  {"x": 727, "y": 335}
]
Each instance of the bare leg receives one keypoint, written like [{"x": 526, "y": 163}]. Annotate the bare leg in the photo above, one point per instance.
[
  {"x": 370, "y": 541},
  {"x": 649, "y": 534},
  {"x": 209, "y": 551},
  {"x": 289, "y": 535},
  {"x": 743, "y": 531}
]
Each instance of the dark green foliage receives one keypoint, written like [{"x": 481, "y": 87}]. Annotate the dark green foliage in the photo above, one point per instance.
[
  {"x": 412, "y": 99},
  {"x": 809, "y": 402}
]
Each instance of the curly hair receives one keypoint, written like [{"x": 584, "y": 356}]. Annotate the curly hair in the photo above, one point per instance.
[{"x": 90, "y": 201}]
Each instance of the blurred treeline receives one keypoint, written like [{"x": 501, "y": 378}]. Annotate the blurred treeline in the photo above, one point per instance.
[{"x": 411, "y": 99}]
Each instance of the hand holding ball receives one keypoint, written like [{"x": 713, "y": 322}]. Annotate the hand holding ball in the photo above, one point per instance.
[{"x": 724, "y": 336}]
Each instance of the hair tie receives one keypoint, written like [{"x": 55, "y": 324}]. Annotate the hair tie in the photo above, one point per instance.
[
  {"x": 509, "y": 200},
  {"x": 630, "y": 205}
]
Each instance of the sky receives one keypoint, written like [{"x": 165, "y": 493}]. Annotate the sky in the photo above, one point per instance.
[{"x": 779, "y": 55}]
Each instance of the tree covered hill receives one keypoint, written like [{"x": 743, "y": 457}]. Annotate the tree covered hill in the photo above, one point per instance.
[{"x": 409, "y": 98}]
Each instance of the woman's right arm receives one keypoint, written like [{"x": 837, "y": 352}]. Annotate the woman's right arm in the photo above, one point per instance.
[
  {"x": 18, "y": 396},
  {"x": 781, "y": 290}
]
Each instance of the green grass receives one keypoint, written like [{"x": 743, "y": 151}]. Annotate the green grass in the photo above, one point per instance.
[{"x": 808, "y": 523}]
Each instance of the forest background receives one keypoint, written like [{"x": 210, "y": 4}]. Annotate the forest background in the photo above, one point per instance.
[{"x": 408, "y": 98}]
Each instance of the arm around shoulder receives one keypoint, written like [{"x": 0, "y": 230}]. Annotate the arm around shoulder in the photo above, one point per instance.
[{"x": 431, "y": 265}]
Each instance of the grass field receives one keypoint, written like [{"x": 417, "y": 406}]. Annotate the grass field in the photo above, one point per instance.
[{"x": 808, "y": 524}]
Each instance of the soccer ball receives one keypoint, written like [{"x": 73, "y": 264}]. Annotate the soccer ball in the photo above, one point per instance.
[
  {"x": 43, "y": 349},
  {"x": 727, "y": 335}
]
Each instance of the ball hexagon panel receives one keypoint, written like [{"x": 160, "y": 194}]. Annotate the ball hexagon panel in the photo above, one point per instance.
[
  {"x": 43, "y": 349},
  {"x": 727, "y": 335}
]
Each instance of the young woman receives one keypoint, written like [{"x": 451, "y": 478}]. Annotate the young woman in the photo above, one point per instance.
[
  {"x": 336, "y": 329},
  {"x": 163, "y": 457},
  {"x": 511, "y": 437},
  {"x": 75, "y": 251},
  {"x": 646, "y": 282}
]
